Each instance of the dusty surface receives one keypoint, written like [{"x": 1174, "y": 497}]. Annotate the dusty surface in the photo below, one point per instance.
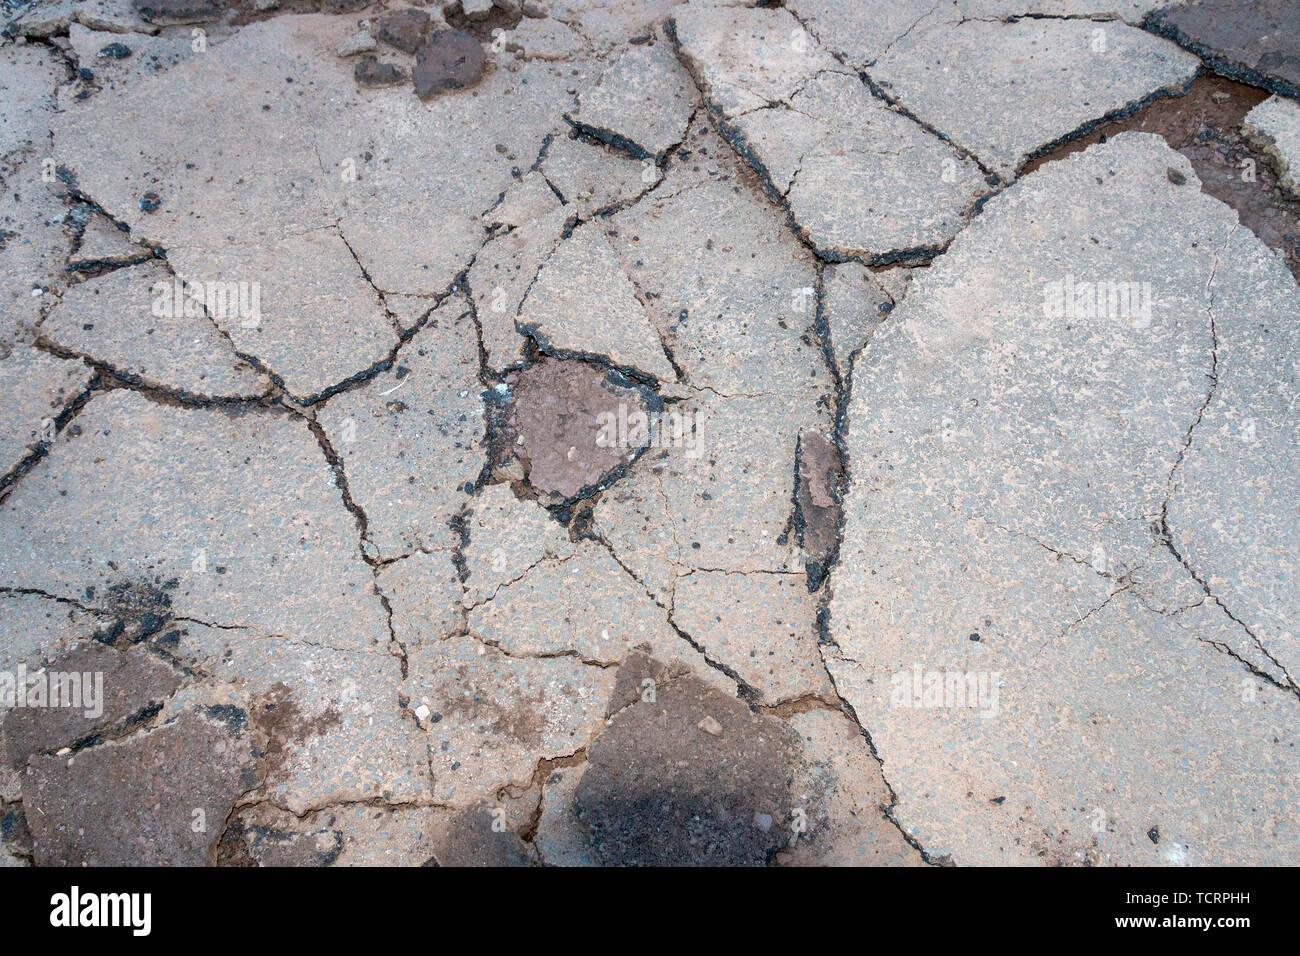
[{"x": 604, "y": 433}]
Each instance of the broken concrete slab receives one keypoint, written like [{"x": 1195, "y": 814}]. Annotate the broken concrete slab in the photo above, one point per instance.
[
  {"x": 102, "y": 241},
  {"x": 1275, "y": 126},
  {"x": 1232, "y": 515},
  {"x": 566, "y": 416},
  {"x": 410, "y": 439},
  {"x": 861, "y": 32},
  {"x": 782, "y": 101},
  {"x": 543, "y": 39},
  {"x": 689, "y": 777},
  {"x": 762, "y": 627},
  {"x": 290, "y": 566},
  {"x": 1255, "y": 41},
  {"x": 424, "y": 593},
  {"x": 561, "y": 839},
  {"x": 38, "y": 388},
  {"x": 488, "y": 718},
  {"x": 1077, "y": 72},
  {"x": 156, "y": 798},
  {"x": 506, "y": 536},
  {"x": 526, "y": 200},
  {"x": 327, "y": 720},
  {"x": 592, "y": 179},
  {"x": 853, "y": 304},
  {"x": 843, "y": 798},
  {"x": 28, "y": 76},
  {"x": 1010, "y": 463},
  {"x": 582, "y": 303},
  {"x": 642, "y": 104},
  {"x": 500, "y": 277},
  {"x": 133, "y": 321},
  {"x": 714, "y": 308}
]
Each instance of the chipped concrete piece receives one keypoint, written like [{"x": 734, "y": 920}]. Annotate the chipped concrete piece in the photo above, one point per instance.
[
  {"x": 592, "y": 179},
  {"x": 642, "y": 104},
  {"x": 854, "y": 303},
  {"x": 763, "y": 627},
  {"x": 290, "y": 566},
  {"x": 1275, "y": 126},
  {"x": 493, "y": 716},
  {"x": 424, "y": 593},
  {"x": 363, "y": 41},
  {"x": 861, "y": 180},
  {"x": 582, "y": 303},
  {"x": 410, "y": 439},
  {"x": 543, "y": 39},
  {"x": 38, "y": 388},
  {"x": 528, "y": 199},
  {"x": 1075, "y": 71},
  {"x": 28, "y": 76},
  {"x": 1011, "y": 466},
  {"x": 131, "y": 320},
  {"x": 507, "y": 536},
  {"x": 102, "y": 241}
]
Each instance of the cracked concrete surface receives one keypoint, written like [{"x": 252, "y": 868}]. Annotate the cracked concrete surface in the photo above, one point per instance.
[{"x": 698, "y": 433}]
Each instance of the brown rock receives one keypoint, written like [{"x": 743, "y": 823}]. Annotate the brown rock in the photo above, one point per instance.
[
  {"x": 371, "y": 73},
  {"x": 405, "y": 30},
  {"x": 817, "y": 501},
  {"x": 451, "y": 60}
]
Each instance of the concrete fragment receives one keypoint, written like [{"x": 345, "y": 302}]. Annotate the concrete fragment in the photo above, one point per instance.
[
  {"x": 763, "y": 627},
  {"x": 641, "y": 104},
  {"x": 424, "y": 593},
  {"x": 492, "y": 717},
  {"x": 1076, "y": 71},
  {"x": 528, "y": 199},
  {"x": 582, "y": 303},
  {"x": 1275, "y": 126},
  {"x": 102, "y": 241},
  {"x": 543, "y": 39},
  {"x": 592, "y": 179},
  {"x": 38, "y": 387},
  {"x": 131, "y": 320},
  {"x": 506, "y": 537},
  {"x": 854, "y": 303},
  {"x": 289, "y": 566},
  {"x": 1010, "y": 465},
  {"x": 410, "y": 438},
  {"x": 363, "y": 41}
]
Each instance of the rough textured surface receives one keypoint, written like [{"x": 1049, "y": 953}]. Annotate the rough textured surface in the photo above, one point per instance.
[
  {"x": 1275, "y": 125},
  {"x": 605, "y": 432},
  {"x": 1040, "y": 549},
  {"x": 1026, "y": 84}
]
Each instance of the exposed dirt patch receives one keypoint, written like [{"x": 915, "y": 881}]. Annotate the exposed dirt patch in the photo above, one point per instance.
[
  {"x": 1205, "y": 126},
  {"x": 279, "y": 718}
]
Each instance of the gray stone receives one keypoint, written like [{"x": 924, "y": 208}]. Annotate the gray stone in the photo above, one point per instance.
[
  {"x": 451, "y": 60},
  {"x": 1010, "y": 465},
  {"x": 1275, "y": 126},
  {"x": 410, "y": 439},
  {"x": 1031, "y": 83},
  {"x": 114, "y": 319},
  {"x": 641, "y": 104},
  {"x": 582, "y": 303},
  {"x": 363, "y": 41}
]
